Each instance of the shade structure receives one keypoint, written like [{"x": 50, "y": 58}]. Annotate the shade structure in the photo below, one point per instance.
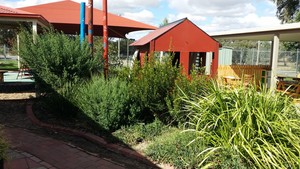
[
  {"x": 286, "y": 32},
  {"x": 65, "y": 16},
  {"x": 10, "y": 17}
]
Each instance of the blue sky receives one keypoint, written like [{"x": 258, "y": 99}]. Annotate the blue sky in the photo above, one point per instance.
[{"x": 210, "y": 15}]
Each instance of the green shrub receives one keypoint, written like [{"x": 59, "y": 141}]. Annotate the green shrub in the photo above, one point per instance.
[
  {"x": 107, "y": 102},
  {"x": 228, "y": 158},
  {"x": 175, "y": 148},
  {"x": 262, "y": 127},
  {"x": 187, "y": 87},
  {"x": 151, "y": 85},
  {"x": 57, "y": 60},
  {"x": 140, "y": 132}
]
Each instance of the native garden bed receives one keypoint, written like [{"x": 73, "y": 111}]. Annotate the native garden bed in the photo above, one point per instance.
[{"x": 188, "y": 122}]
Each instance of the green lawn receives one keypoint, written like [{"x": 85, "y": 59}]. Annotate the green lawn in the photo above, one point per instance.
[{"x": 8, "y": 64}]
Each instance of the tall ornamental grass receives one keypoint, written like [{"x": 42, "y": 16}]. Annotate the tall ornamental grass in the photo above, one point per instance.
[{"x": 262, "y": 127}]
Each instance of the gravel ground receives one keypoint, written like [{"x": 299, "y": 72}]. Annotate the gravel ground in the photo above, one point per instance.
[{"x": 16, "y": 96}]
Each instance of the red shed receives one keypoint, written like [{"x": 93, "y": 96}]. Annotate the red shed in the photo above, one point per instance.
[{"x": 190, "y": 44}]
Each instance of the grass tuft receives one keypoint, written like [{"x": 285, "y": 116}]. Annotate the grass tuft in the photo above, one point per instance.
[{"x": 262, "y": 127}]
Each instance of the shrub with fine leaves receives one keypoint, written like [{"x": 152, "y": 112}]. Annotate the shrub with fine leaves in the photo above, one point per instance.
[
  {"x": 106, "y": 102},
  {"x": 57, "y": 59},
  {"x": 58, "y": 62},
  {"x": 151, "y": 84}
]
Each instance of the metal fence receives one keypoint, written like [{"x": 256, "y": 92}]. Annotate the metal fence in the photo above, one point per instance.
[{"x": 288, "y": 61}]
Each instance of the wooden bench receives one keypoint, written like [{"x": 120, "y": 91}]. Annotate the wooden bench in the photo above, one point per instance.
[
  {"x": 231, "y": 80},
  {"x": 245, "y": 80},
  {"x": 289, "y": 87}
]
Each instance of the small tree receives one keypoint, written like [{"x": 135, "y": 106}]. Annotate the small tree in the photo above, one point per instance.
[
  {"x": 164, "y": 22},
  {"x": 287, "y": 10}
]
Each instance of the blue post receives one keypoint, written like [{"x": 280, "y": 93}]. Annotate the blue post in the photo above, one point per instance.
[{"x": 82, "y": 21}]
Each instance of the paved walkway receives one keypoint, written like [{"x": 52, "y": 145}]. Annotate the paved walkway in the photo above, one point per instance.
[
  {"x": 48, "y": 153},
  {"x": 32, "y": 147},
  {"x": 20, "y": 159}
]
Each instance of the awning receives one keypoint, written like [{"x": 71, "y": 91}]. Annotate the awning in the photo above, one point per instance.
[{"x": 65, "y": 16}]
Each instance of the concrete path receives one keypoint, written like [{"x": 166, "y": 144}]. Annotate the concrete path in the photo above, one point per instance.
[{"x": 48, "y": 153}]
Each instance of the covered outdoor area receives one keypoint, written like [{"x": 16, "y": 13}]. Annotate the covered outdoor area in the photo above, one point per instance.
[
  {"x": 12, "y": 19},
  {"x": 65, "y": 16},
  {"x": 285, "y": 33}
]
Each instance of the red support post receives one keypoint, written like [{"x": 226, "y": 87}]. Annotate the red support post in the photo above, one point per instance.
[
  {"x": 105, "y": 39},
  {"x": 90, "y": 25},
  {"x": 185, "y": 62}
]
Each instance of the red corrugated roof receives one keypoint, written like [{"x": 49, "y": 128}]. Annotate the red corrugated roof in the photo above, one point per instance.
[
  {"x": 68, "y": 12},
  {"x": 8, "y": 12},
  {"x": 156, "y": 33}
]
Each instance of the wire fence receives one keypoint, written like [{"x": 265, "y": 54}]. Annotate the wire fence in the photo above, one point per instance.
[{"x": 288, "y": 61}]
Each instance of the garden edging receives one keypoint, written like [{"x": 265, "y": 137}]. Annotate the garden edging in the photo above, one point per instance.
[{"x": 93, "y": 138}]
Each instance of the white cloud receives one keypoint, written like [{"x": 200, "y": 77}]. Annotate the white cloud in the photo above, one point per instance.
[
  {"x": 23, "y": 3},
  {"x": 213, "y": 7},
  {"x": 219, "y": 24},
  {"x": 271, "y": 8},
  {"x": 131, "y": 5},
  {"x": 194, "y": 18},
  {"x": 142, "y": 16}
]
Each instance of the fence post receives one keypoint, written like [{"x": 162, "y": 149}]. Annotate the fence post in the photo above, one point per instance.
[
  {"x": 258, "y": 52},
  {"x": 297, "y": 61},
  {"x": 253, "y": 56},
  {"x": 241, "y": 56}
]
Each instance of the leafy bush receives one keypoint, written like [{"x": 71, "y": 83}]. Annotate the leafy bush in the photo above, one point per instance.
[
  {"x": 57, "y": 59},
  {"x": 107, "y": 102},
  {"x": 140, "y": 132},
  {"x": 262, "y": 127},
  {"x": 176, "y": 148},
  {"x": 151, "y": 85},
  {"x": 58, "y": 62},
  {"x": 187, "y": 87},
  {"x": 229, "y": 159}
]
